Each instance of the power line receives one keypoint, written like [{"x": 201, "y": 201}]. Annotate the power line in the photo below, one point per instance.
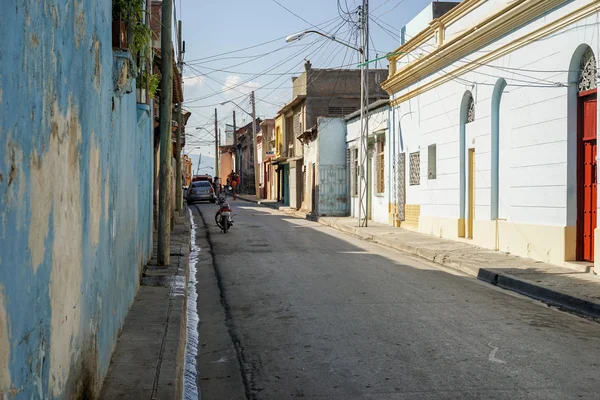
[
  {"x": 256, "y": 45},
  {"x": 294, "y": 14}
]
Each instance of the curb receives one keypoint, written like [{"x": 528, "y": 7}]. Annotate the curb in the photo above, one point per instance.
[
  {"x": 527, "y": 288},
  {"x": 180, "y": 374},
  {"x": 549, "y": 296}
]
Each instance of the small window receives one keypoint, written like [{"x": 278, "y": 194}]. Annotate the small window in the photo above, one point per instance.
[
  {"x": 380, "y": 167},
  {"x": 415, "y": 168},
  {"x": 354, "y": 171},
  {"x": 431, "y": 162}
]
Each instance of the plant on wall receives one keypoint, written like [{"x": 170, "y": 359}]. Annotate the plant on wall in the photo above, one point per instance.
[
  {"x": 132, "y": 13},
  {"x": 153, "y": 81}
]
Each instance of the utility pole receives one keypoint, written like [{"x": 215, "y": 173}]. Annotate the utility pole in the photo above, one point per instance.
[
  {"x": 254, "y": 135},
  {"x": 178, "y": 183},
  {"x": 216, "y": 145},
  {"x": 166, "y": 103},
  {"x": 235, "y": 143},
  {"x": 364, "y": 116}
]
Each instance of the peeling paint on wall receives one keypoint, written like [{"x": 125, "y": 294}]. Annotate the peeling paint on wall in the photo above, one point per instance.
[
  {"x": 79, "y": 22},
  {"x": 97, "y": 64},
  {"x": 106, "y": 196},
  {"x": 95, "y": 190},
  {"x": 4, "y": 346},
  {"x": 56, "y": 175},
  {"x": 15, "y": 193}
]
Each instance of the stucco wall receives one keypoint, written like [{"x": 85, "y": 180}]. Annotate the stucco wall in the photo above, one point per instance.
[
  {"x": 378, "y": 121},
  {"x": 76, "y": 187},
  {"x": 332, "y": 195}
]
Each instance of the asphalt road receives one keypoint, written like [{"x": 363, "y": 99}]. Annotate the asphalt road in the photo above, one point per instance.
[{"x": 321, "y": 315}]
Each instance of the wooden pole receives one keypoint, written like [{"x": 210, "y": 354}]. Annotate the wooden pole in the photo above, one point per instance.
[
  {"x": 166, "y": 103},
  {"x": 235, "y": 164},
  {"x": 254, "y": 135},
  {"x": 178, "y": 183},
  {"x": 216, "y": 145}
]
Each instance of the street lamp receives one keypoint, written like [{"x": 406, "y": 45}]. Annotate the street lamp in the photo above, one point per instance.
[
  {"x": 253, "y": 116},
  {"x": 300, "y": 35},
  {"x": 364, "y": 94}
]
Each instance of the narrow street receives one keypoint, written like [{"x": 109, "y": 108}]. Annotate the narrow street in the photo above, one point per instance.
[{"x": 322, "y": 315}]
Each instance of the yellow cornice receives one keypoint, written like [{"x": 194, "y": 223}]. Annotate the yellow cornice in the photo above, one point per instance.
[
  {"x": 492, "y": 28},
  {"x": 533, "y": 36},
  {"x": 445, "y": 20}
]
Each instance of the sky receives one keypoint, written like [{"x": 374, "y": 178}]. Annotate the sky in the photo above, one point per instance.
[{"x": 236, "y": 46}]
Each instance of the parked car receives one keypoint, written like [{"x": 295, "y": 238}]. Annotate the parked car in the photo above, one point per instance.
[
  {"x": 200, "y": 191},
  {"x": 197, "y": 178}
]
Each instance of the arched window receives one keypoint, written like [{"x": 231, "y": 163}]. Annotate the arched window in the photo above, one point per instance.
[
  {"x": 587, "y": 74},
  {"x": 471, "y": 110}
]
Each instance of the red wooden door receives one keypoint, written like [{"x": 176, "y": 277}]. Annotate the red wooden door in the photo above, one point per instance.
[{"x": 587, "y": 179}]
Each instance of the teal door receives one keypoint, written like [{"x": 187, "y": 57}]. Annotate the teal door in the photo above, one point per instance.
[{"x": 286, "y": 185}]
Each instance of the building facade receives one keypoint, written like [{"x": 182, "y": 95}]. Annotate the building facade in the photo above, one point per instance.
[
  {"x": 267, "y": 128},
  {"x": 494, "y": 115},
  {"x": 325, "y": 171},
  {"x": 316, "y": 93},
  {"x": 378, "y": 162}
]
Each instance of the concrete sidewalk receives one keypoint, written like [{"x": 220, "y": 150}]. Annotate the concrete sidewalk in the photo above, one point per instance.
[
  {"x": 148, "y": 360},
  {"x": 571, "y": 290}
]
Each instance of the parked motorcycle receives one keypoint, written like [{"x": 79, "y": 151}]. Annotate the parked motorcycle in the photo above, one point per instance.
[{"x": 224, "y": 215}]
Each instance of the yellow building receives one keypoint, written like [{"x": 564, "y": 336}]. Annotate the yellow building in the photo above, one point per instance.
[
  {"x": 186, "y": 166},
  {"x": 278, "y": 135}
]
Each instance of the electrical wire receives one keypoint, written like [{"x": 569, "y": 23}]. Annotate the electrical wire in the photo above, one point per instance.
[{"x": 257, "y": 45}]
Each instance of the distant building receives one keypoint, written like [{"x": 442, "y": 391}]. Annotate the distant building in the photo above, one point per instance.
[{"x": 316, "y": 93}]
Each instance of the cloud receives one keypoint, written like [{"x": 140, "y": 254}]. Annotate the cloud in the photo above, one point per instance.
[
  {"x": 192, "y": 87},
  {"x": 233, "y": 86}
]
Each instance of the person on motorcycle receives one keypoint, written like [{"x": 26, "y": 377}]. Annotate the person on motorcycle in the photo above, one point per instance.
[{"x": 233, "y": 181}]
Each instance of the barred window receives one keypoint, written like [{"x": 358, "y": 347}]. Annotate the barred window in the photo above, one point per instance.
[
  {"x": 340, "y": 111},
  {"x": 380, "y": 167},
  {"x": 354, "y": 171},
  {"x": 415, "y": 168}
]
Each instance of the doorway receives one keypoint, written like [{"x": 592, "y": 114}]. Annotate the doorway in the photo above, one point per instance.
[
  {"x": 586, "y": 175},
  {"x": 471, "y": 216},
  {"x": 313, "y": 192}
]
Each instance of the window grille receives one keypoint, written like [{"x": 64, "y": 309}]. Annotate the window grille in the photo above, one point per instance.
[
  {"x": 340, "y": 111},
  {"x": 588, "y": 74},
  {"x": 415, "y": 168},
  {"x": 471, "y": 114},
  {"x": 380, "y": 167}
]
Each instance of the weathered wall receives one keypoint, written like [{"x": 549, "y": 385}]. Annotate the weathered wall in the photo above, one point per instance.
[
  {"x": 332, "y": 183},
  {"x": 75, "y": 187}
]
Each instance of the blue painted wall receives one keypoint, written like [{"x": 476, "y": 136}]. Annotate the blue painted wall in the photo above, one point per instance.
[{"x": 75, "y": 198}]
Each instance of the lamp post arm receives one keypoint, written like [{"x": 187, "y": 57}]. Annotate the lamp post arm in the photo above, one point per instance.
[
  {"x": 237, "y": 105},
  {"x": 336, "y": 40}
]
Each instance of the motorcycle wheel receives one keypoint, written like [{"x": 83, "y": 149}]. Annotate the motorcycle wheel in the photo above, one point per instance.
[
  {"x": 224, "y": 224},
  {"x": 218, "y": 219}
]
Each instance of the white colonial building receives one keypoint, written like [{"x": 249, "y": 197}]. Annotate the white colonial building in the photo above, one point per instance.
[
  {"x": 494, "y": 119},
  {"x": 377, "y": 170}
]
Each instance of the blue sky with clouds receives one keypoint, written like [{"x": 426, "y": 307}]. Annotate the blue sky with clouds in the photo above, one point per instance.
[{"x": 236, "y": 46}]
